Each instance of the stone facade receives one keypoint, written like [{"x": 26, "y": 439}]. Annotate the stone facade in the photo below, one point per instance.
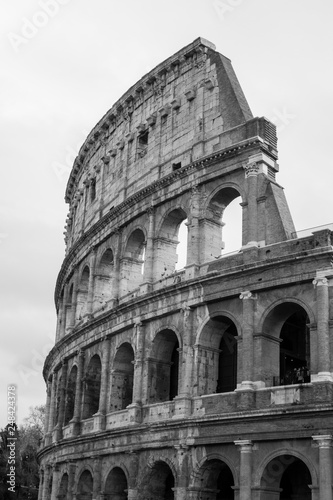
[{"x": 210, "y": 382}]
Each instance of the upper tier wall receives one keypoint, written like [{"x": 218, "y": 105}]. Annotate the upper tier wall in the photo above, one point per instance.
[{"x": 173, "y": 116}]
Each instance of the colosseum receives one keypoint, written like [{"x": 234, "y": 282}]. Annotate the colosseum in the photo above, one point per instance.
[{"x": 211, "y": 379}]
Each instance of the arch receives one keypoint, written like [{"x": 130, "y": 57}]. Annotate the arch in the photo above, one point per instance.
[
  {"x": 92, "y": 387},
  {"x": 217, "y": 355},
  {"x": 287, "y": 477},
  {"x": 82, "y": 293},
  {"x": 70, "y": 395},
  {"x": 104, "y": 277},
  {"x": 63, "y": 488},
  {"x": 168, "y": 244},
  {"x": 132, "y": 266},
  {"x": 158, "y": 483},
  {"x": 163, "y": 371},
  {"x": 85, "y": 486},
  {"x": 214, "y": 215},
  {"x": 215, "y": 477},
  {"x": 122, "y": 378},
  {"x": 116, "y": 485},
  {"x": 287, "y": 343}
]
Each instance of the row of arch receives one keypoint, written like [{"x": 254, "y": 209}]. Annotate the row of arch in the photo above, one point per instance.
[
  {"x": 215, "y": 368},
  {"x": 163, "y": 242},
  {"x": 284, "y": 477}
]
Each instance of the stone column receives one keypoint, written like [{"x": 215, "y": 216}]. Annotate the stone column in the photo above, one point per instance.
[
  {"x": 41, "y": 483},
  {"x": 149, "y": 257},
  {"x": 135, "y": 409},
  {"x": 182, "y": 459},
  {"x": 64, "y": 318},
  {"x": 193, "y": 240},
  {"x": 245, "y": 476},
  {"x": 321, "y": 285},
  {"x": 97, "y": 484},
  {"x": 106, "y": 161},
  {"x": 71, "y": 480},
  {"x": 53, "y": 402},
  {"x": 99, "y": 420},
  {"x": 78, "y": 394},
  {"x": 90, "y": 298},
  {"x": 74, "y": 300},
  {"x": 46, "y": 482},
  {"x": 55, "y": 481},
  {"x": 61, "y": 416},
  {"x": 117, "y": 261},
  {"x": 47, "y": 409},
  {"x": 183, "y": 400},
  {"x": 325, "y": 466},
  {"x": 60, "y": 318},
  {"x": 247, "y": 340},
  {"x": 251, "y": 175}
]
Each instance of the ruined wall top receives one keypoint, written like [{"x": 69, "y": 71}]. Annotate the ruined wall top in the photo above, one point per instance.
[{"x": 168, "y": 119}]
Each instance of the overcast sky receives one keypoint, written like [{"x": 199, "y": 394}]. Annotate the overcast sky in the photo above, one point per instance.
[{"x": 65, "y": 62}]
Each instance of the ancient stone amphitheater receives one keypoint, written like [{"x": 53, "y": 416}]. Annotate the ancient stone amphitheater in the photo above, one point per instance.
[{"x": 208, "y": 381}]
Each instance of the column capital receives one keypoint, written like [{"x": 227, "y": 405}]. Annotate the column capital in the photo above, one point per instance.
[
  {"x": 150, "y": 210},
  {"x": 245, "y": 445},
  {"x": 251, "y": 169},
  {"x": 247, "y": 295},
  {"x": 320, "y": 281},
  {"x": 323, "y": 441}
]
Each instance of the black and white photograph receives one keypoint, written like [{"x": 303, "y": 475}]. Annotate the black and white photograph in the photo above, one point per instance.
[{"x": 166, "y": 250}]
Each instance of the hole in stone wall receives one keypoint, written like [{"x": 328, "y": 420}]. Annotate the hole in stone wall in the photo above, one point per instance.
[
  {"x": 177, "y": 166},
  {"x": 182, "y": 245}
]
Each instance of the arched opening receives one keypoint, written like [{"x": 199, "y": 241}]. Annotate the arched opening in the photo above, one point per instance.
[
  {"x": 217, "y": 356},
  {"x": 85, "y": 486},
  {"x": 216, "y": 480},
  {"x": 122, "y": 378},
  {"x": 68, "y": 309},
  {"x": 70, "y": 395},
  {"x": 222, "y": 226},
  {"x": 92, "y": 387},
  {"x": 286, "y": 348},
  {"x": 171, "y": 244},
  {"x": 116, "y": 485},
  {"x": 82, "y": 294},
  {"x": 58, "y": 399},
  {"x": 164, "y": 367},
  {"x": 286, "y": 478},
  {"x": 158, "y": 484},
  {"x": 104, "y": 278},
  {"x": 63, "y": 488},
  {"x": 133, "y": 262},
  {"x": 182, "y": 245}
]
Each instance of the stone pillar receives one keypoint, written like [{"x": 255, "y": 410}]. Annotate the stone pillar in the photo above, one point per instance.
[
  {"x": 78, "y": 394},
  {"x": 183, "y": 400},
  {"x": 149, "y": 257},
  {"x": 247, "y": 340},
  {"x": 60, "y": 318},
  {"x": 193, "y": 240},
  {"x": 97, "y": 484},
  {"x": 74, "y": 300},
  {"x": 251, "y": 175},
  {"x": 41, "y": 484},
  {"x": 53, "y": 402},
  {"x": 47, "y": 408},
  {"x": 139, "y": 362},
  {"x": 321, "y": 285},
  {"x": 325, "y": 466},
  {"x": 106, "y": 161},
  {"x": 46, "y": 482},
  {"x": 71, "y": 480},
  {"x": 62, "y": 388},
  {"x": 99, "y": 420},
  {"x": 55, "y": 481},
  {"x": 117, "y": 262},
  {"x": 90, "y": 298},
  {"x": 245, "y": 476},
  {"x": 182, "y": 459}
]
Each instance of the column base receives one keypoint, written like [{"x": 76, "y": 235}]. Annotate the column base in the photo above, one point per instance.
[
  {"x": 75, "y": 427},
  {"x": 246, "y": 385},
  {"x": 99, "y": 422},
  {"x": 322, "y": 377},
  {"x": 183, "y": 406},
  {"x": 135, "y": 413}
]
